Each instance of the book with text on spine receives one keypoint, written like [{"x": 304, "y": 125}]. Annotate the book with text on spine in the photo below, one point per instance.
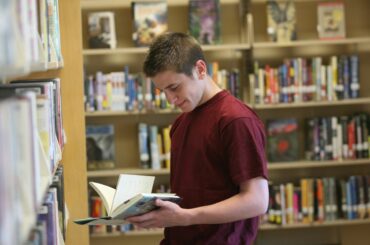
[{"x": 131, "y": 197}]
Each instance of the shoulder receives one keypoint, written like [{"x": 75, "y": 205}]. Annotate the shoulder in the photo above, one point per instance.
[{"x": 232, "y": 109}]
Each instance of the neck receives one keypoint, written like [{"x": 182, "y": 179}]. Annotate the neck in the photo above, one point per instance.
[{"x": 210, "y": 89}]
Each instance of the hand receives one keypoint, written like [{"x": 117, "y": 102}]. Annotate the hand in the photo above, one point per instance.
[{"x": 168, "y": 214}]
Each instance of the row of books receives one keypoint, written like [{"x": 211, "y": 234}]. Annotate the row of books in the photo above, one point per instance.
[
  {"x": 149, "y": 20},
  {"x": 301, "y": 79},
  {"x": 122, "y": 91},
  {"x": 226, "y": 79},
  {"x": 31, "y": 150},
  {"x": 97, "y": 209},
  {"x": 31, "y": 39},
  {"x": 326, "y": 138},
  {"x": 282, "y": 20},
  {"x": 51, "y": 221},
  {"x": 154, "y": 146},
  {"x": 334, "y": 138},
  {"x": 319, "y": 200}
]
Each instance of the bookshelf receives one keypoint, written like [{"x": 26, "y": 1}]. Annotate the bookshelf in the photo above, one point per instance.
[
  {"x": 308, "y": 45},
  {"x": 73, "y": 158},
  {"x": 240, "y": 50}
]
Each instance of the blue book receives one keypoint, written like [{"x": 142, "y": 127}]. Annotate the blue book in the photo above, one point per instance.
[{"x": 131, "y": 197}]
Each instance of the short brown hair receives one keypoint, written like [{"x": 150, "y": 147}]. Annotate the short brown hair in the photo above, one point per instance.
[{"x": 173, "y": 51}]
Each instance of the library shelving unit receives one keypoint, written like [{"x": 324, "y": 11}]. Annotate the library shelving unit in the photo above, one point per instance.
[
  {"x": 73, "y": 157},
  {"x": 308, "y": 45},
  {"x": 242, "y": 42},
  {"x": 229, "y": 54}
]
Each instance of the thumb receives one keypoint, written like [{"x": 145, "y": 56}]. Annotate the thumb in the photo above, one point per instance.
[{"x": 160, "y": 203}]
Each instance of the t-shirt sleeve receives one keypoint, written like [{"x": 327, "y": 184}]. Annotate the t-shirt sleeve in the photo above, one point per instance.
[{"x": 244, "y": 143}]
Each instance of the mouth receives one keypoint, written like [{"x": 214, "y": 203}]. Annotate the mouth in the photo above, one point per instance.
[{"x": 181, "y": 104}]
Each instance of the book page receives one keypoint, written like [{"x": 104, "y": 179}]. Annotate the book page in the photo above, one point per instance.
[
  {"x": 130, "y": 185},
  {"x": 106, "y": 193}
]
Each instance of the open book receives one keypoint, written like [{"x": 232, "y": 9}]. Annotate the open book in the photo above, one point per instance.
[{"x": 131, "y": 197}]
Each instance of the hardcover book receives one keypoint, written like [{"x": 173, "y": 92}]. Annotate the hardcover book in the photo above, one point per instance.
[
  {"x": 100, "y": 146},
  {"x": 204, "y": 21},
  {"x": 331, "y": 21},
  {"x": 282, "y": 141},
  {"x": 132, "y": 197},
  {"x": 150, "y": 21},
  {"x": 102, "y": 32},
  {"x": 281, "y": 21}
]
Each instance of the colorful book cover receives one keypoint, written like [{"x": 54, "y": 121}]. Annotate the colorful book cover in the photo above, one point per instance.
[
  {"x": 282, "y": 140},
  {"x": 102, "y": 32},
  {"x": 281, "y": 21},
  {"x": 150, "y": 21},
  {"x": 100, "y": 146},
  {"x": 204, "y": 21},
  {"x": 331, "y": 20}
]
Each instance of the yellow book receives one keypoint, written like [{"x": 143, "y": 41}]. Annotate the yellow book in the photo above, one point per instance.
[{"x": 167, "y": 146}]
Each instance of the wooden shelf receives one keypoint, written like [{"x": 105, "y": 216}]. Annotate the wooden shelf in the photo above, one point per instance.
[
  {"x": 153, "y": 232},
  {"x": 358, "y": 101},
  {"x": 295, "y": 1},
  {"x": 130, "y": 113},
  {"x": 314, "y": 42},
  {"x": 317, "y": 164},
  {"x": 116, "y": 4},
  {"x": 116, "y": 172},
  {"x": 143, "y": 50},
  {"x": 271, "y": 167},
  {"x": 267, "y": 227}
]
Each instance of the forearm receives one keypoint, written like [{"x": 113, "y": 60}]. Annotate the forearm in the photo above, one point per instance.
[{"x": 248, "y": 203}]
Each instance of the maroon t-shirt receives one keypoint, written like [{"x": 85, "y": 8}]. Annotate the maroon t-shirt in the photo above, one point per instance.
[{"x": 213, "y": 149}]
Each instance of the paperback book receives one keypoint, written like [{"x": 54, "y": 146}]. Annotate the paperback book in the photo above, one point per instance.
[
  {"x": 204, "y": 21},
  {"x": 150, "y": 21},
  {"x": 131, "y": 197},
  {"x": 331, "y": 21},
  {"x": 100, "y": 146},
  {"x": 102, "y": 32},
  {"x": 281, "y": 21},
  {"x": 282, "y": 140}
]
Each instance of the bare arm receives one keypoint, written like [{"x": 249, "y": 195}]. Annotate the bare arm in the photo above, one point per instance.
[{"x": 251, "y": 201}]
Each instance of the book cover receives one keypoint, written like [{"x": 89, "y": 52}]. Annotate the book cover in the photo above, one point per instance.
[
  {"x": 131, "y": 197},
  {"x": 101, "y": 30},
  {"x": 331, "y": 20},
  {"x": 282, "y": 140},
  {"x": 100, "y": 146},
  {"x": 150, "y": 21},
  {"x": 281, "y": 21},
  {"x": 205, "y": 21}
]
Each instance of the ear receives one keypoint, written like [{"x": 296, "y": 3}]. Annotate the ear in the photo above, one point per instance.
[{"x": 200, "y": 69}]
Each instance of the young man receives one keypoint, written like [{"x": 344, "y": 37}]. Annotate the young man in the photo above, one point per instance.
[{"x": 218, "y": 163}]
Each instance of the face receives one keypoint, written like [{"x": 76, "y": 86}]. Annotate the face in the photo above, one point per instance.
[{"x": 181, "y": 90}]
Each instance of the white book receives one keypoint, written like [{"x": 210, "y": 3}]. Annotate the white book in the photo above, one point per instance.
[{"x": 131, "y": 197}]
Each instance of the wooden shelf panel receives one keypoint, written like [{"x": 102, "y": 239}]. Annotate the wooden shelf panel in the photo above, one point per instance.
[
  {"x": 129, "y": 113},
  {"x": 271, "y": 167},
  {"x": 295, "y": 1},
  {"x": 317, "y": 164},
  {"x": 358, "y": 101},
  {"x": 155, "y": 232},
  {"x": 267, "y": 227},
  {"x": 114, "y": 4},
  {"x": 314, "y": 42},
  {"x": 143, "y": 50},
  {"x": 116, "y": 172}
]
